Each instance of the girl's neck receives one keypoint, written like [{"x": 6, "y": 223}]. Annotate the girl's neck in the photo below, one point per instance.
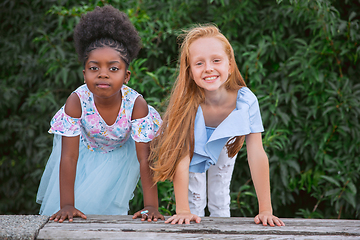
[
  {"x": 217, "y": 106},
  {"x": 114, "y": 100},
  {"x": 218, "y": 98},
  {"x": 108, "y": 108}
]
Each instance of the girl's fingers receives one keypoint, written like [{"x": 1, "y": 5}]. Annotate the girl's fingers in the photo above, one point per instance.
[
  {"x": 136, "y": 215},
  {"x": 62, "y": 215},
  {"x": 169, "y": 220},
  {"x": 271, "y": 222},
  {"x": 57, "y": 217},
  {"x": 183, "y": 219},
  {"x": 256, "y": 219},
  {"x": 62, "y": 218},
  {"x": 76, "y": 214},
  {"x": 152, "y": 218},
  {"x": 264, "y": 222},
  {"x": 175, "y": 220},
  {"x": 83, "y": 216},
  {"x": 277, "y": 222},
  {"x": 268, "y": 220},
  {"x": 282, "y": 223}
]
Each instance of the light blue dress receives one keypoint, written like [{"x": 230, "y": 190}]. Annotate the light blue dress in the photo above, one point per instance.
[
  {"x": 107, "y": 169},
  {"x": 245, "y": 119}
]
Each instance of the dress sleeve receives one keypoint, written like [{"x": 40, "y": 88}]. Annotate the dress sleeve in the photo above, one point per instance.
[
  {"x": 145, "y": 129},
  {"x": 65, "y": 125},
  {"x": 255, "y": 117},
  {"x": 250, "y": 99}
]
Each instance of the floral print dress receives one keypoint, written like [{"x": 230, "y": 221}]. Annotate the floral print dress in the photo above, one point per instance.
[{"x": 107, "y": 168}]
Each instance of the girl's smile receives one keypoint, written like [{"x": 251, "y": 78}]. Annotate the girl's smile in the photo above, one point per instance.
[{"x": 210, "y": 78}]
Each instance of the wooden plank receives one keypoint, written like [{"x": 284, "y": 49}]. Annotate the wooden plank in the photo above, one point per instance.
[
  {"x": 123, "y": 227},
  {"x": 173, "y": 236}
]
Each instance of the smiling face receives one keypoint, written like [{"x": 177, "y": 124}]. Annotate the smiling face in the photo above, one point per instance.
[
  {"x": 105, "y": 73},
  {"x": 209, "y": 63}
]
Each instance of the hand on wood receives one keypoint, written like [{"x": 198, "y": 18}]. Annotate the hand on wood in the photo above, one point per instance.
[
  {"x": 181, "y": 218},
  {"x": 67, "y": 211},
  {"x": 150, "y": 213},
  {"x": 266, "y": 218}
]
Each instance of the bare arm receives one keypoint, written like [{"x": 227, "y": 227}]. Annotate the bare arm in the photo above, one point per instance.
[
  {"x": 151, "y": 203},
  {"x": 67, "y": 172},
  {"x": 259, "y": 167},
  {"x": 149, "y": 188},
  {"x": 181, "y": 188},
  {"x": 69, "y": 157}
]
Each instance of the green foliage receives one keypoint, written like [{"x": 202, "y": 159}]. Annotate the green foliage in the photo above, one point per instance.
[{"x": 299, "y": 57}]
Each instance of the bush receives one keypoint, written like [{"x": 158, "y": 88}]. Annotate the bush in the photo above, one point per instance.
[{"x": 299, "y": 57}]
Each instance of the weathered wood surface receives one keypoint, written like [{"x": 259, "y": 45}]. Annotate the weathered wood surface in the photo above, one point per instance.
[{"x": 124, "y": 227}]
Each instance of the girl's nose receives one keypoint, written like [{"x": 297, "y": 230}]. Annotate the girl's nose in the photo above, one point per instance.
[
  {"x": 103, "y": 74},
  {"x": 209, "y": 68}
]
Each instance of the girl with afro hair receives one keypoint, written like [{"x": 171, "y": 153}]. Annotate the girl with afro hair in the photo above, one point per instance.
[{"x": 102, "y": 133}]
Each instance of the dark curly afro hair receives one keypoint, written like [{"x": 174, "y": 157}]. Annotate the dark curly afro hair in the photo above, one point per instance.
[{"x": 106, "y": 26}]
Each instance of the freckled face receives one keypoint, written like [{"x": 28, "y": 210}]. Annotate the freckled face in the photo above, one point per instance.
[
  {"x": 105, "y": 73},
  {"x": 209, "y": 63}
]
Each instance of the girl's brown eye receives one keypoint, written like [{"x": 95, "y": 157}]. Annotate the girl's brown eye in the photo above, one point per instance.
[{"x": 114, "y": 69}]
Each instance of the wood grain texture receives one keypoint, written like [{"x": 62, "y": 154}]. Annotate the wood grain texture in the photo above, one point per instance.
[{"x": 124, "y": 227}]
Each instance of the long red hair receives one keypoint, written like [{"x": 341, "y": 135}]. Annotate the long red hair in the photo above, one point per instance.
[{"x": 176, "y": 135}]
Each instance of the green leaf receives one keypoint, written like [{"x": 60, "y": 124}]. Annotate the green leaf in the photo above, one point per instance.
[{"x": 331, "y": 180}]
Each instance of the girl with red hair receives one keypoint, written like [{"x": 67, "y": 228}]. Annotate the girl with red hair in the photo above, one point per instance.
[{"x": 210, "y": 114}]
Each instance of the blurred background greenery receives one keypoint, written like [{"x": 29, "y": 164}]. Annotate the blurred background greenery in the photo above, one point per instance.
[{"x": 299, "y": 57}]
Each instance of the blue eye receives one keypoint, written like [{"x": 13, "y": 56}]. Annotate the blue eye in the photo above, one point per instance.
[{"x": 198, "y": 63}]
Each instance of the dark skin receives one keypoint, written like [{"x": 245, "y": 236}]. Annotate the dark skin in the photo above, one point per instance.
[{"x": 108, "y": 105}]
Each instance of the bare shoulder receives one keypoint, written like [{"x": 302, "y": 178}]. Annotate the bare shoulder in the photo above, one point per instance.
[
  {"x": 73, "y": 106},
  {"x": 140, "y": 109}
]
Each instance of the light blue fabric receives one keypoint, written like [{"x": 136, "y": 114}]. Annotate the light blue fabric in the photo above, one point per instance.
[
  {"x": 104, "y": 183},
  {"x": 245, "y": 119},
  {"x": 209, "y": 132}
]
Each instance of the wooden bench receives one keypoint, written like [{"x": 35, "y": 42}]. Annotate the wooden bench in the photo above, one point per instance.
[{"x": 124, "y": 227}]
